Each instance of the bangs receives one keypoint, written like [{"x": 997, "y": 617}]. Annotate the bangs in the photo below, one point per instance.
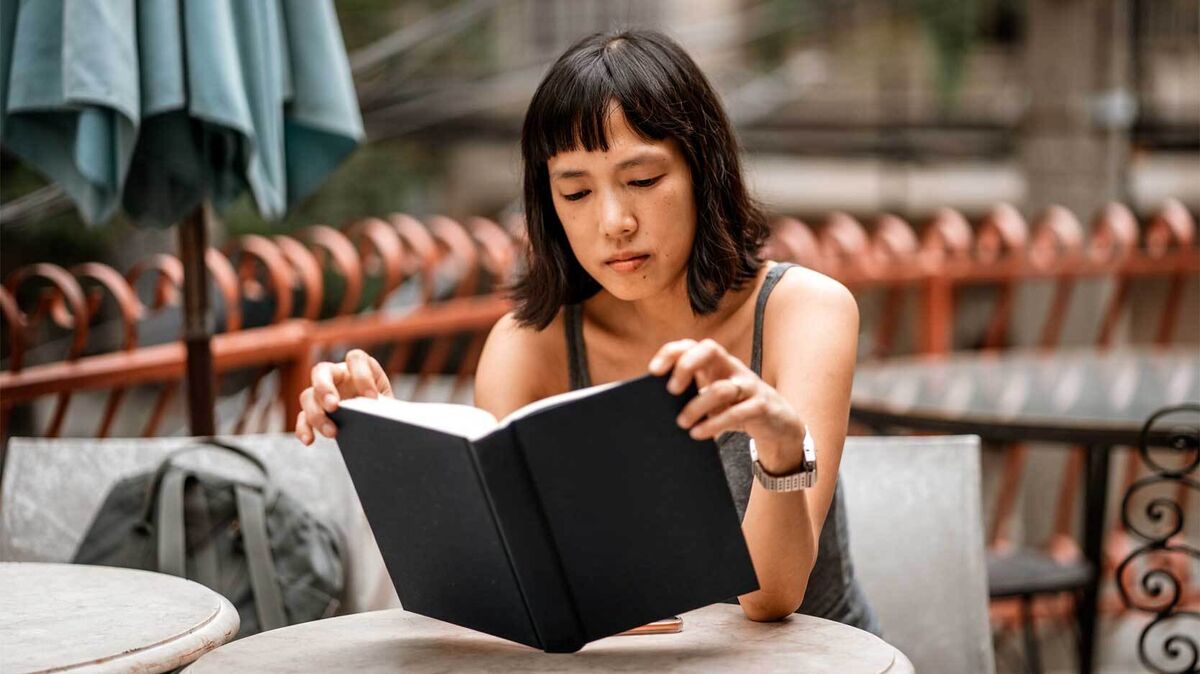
[
  {"x": 664, "y": 95},
  {"x": 572, "y": 108}
]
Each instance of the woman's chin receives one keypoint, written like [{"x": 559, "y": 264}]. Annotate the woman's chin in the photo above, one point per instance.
[
  {"x": 631, "y": 289},
  {"x": 632, "y": 286}
]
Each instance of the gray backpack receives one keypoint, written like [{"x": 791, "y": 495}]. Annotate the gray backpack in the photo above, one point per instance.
[{"x": 257, "y": 546}]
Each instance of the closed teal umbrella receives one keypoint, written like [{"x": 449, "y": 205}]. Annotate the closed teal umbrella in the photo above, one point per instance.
[{"x": 162, "y": 106}]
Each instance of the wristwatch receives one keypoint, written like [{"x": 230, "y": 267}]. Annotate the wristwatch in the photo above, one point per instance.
[{"x": 803, "y": 478}]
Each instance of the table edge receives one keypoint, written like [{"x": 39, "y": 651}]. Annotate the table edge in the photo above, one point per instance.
[
  {"x": 898, "y": 664},
  {"x": 995, "y": 428},
  {"x": 167, "y": 655}
]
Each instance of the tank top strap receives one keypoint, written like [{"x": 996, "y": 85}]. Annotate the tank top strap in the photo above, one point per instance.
[
  {"x": 577, "y": 365},
  {"x": 773, "y": 275}
]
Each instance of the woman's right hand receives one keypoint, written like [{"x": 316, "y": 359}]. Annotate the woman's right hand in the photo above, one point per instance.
[{"x": 359, "y": 375}]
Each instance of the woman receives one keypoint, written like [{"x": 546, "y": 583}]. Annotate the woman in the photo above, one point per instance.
[{"x": 644, "y": 256}]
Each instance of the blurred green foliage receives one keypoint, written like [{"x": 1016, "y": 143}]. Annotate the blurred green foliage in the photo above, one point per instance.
[
  {"x": 786, "y": 22},
  {"x": 379, "y": 178},
  {"x": 63, "y": 239},
  {"x": 952, "y": 26}
]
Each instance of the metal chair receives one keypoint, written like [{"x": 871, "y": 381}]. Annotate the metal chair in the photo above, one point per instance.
[
  {"x": 1153, "y": 579},
  {"x": 1044, "y": 580},
  {"x": 916, "y": 536},
  {"x": 53, "y": 487}
]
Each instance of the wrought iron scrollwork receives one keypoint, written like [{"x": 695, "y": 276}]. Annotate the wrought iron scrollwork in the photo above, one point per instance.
[{"x": 1158, "y": 585}]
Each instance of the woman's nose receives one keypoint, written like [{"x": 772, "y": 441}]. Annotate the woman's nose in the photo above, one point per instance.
[{"x": 616, "y": 220}]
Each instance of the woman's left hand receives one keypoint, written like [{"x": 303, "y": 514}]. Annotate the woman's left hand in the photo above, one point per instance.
[{"x": 731, "y": 398}]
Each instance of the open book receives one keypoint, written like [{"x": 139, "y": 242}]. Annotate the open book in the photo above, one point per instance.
[{"x": 577, "y": 517}]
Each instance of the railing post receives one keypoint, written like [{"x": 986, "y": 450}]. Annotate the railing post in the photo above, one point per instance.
[
  {"x": 294, "y": 376},
  {"x": 939, "y": 314}
]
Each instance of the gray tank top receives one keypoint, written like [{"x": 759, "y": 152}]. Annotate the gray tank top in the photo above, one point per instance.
[{"x": 833, "y": 593}]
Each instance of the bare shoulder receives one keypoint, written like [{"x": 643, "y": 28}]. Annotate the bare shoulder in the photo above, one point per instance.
[
  {"x": 519, "y": 365},
  {"x": 806, "y": 295},
  {"x": 809, "y": 317}
]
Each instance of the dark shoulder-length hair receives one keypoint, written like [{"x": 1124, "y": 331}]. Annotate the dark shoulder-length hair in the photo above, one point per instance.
[{"x": 663, "y": 95}]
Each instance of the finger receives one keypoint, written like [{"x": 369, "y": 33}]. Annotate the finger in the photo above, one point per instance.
[
  {"x": 325, "y": 379},
  {"x": 382, "y": 383},
  {"x": 733, "y": 418},
  {"x": 664, "y": 360},
  {"x": 692, "y": 360},
  {"x": 315, "y": 414},
  {"x": 303, "y": 430},
  {"x": 712, "y": 399},
  {"x": 359, "y": 365}
]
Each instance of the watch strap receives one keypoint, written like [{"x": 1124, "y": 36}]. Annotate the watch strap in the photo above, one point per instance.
[{"x": 803, "y": 478}]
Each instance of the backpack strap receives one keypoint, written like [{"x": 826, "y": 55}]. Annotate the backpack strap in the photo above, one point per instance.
[
  {"x": 172, "y": 548},
  {"x": 168, "y": 491},
  {"x": 178, "y": 485},
  {"x": 268, "y": 601},
  {"x": 168, "y": 463}
]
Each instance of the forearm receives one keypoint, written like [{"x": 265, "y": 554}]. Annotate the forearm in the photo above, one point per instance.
[{"x": 782, "y": 539}]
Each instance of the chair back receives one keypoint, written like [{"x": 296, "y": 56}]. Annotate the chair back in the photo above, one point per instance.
[
  {"x": 916, "y": 537},
  {"x": 53, "y": 487}
]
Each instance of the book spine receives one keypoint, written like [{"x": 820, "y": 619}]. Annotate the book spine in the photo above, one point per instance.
[{"x": 529, "y": 541}]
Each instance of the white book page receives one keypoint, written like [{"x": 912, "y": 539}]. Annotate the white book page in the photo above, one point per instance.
[
  {"x": 538, "y": 405},
  {"x": 465, "y": 421}
]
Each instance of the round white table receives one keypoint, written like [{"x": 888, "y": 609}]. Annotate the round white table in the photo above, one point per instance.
[
  {"x": 715, "y": 638},
  {"x": 67, "y": 618}
]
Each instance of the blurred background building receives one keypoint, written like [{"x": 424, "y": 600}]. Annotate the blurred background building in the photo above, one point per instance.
[{"x": 863, "y": 106}]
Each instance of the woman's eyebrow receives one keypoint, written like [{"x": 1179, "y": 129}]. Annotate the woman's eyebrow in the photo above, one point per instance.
[
  {"x": 639, "y": 159},
  {"x": 568, "y": 173},
  {"x": 636, "y": 160}
]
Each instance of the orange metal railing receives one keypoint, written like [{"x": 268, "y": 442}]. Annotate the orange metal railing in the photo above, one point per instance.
[{"x": 329, "y": 288}]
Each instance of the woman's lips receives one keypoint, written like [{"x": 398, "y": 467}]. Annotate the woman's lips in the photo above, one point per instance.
[{"x": 628, "y": 265}]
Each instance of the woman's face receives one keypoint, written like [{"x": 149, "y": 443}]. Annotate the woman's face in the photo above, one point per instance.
[{"x": 629, "y": 213}]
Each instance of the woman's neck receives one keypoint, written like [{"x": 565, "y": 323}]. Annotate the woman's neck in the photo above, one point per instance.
[{"x": 663, "y": 317}]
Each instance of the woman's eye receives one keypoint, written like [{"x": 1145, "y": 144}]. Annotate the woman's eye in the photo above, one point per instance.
[
  {"x": 576, "y": 196},
  {"x": 645, "y": 183}
]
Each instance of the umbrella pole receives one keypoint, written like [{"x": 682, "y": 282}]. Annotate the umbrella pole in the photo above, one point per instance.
[{"x": 197, "y": 331}]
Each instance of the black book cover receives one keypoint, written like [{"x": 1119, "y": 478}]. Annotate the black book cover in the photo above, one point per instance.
[{"x": 575, "y": 522}]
